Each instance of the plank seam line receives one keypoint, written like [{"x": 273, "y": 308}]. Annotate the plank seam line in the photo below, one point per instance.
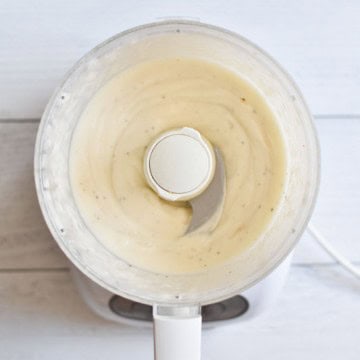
[
  {"x": 336, "y": 116},
  {"x": 20, "y": 121},
  {"x": 66, "y": 269},
  {"x": 316, "y": 116},
  {"x": 33, "y": 270},
  {"x": 327, "y": 264}
]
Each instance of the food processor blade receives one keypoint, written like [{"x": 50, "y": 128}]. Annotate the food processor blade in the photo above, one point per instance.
[{"x": 207, "y": 207}]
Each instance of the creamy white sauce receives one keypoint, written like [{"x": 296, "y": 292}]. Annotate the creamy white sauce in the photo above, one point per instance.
[{"x": 106, "y": 163}]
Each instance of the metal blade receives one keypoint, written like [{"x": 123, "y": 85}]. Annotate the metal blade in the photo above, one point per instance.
[{"x": 207, "y": 207}]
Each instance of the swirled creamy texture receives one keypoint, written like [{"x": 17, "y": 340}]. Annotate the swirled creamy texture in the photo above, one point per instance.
[{"x": 106, "y": 163}]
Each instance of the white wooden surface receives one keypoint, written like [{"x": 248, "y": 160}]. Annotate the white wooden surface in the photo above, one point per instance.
[
  {"x": 41, "y": 315},
  {"x": 317, "y": 41}
]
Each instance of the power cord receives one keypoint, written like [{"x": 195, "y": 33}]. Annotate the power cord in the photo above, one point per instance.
[{"x": 343, "y": 261}]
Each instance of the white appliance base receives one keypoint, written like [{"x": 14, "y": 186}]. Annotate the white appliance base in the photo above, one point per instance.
[{"x": 251, "y": 303}]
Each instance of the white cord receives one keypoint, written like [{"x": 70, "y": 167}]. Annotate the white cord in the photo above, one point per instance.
[{"x": 343, "y": 261}]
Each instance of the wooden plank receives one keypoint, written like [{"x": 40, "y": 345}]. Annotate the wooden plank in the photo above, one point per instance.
[
  {"x": 337, "y": 210},
  {"x": 314, "y": 319},
  {"x": 317, "y": 42},
  {"x": 25, "y": 242}
]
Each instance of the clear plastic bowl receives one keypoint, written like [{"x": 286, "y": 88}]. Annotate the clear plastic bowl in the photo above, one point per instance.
[{"x": 158, "y": 41}]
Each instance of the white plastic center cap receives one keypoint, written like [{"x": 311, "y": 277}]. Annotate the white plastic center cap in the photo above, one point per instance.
[{"x": 179, "y": 164}]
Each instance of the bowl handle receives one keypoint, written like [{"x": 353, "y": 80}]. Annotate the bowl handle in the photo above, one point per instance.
[{"x": 177, "y": 332}]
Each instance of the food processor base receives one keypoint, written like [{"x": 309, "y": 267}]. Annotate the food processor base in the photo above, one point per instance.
[{"x": 249, "y": 304}]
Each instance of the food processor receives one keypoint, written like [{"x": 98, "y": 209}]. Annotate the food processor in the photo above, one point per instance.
[{"x": 177, "y": 303}]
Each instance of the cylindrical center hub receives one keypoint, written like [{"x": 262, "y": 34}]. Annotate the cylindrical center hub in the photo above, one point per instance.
[{"x": 179, "y": 164}]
